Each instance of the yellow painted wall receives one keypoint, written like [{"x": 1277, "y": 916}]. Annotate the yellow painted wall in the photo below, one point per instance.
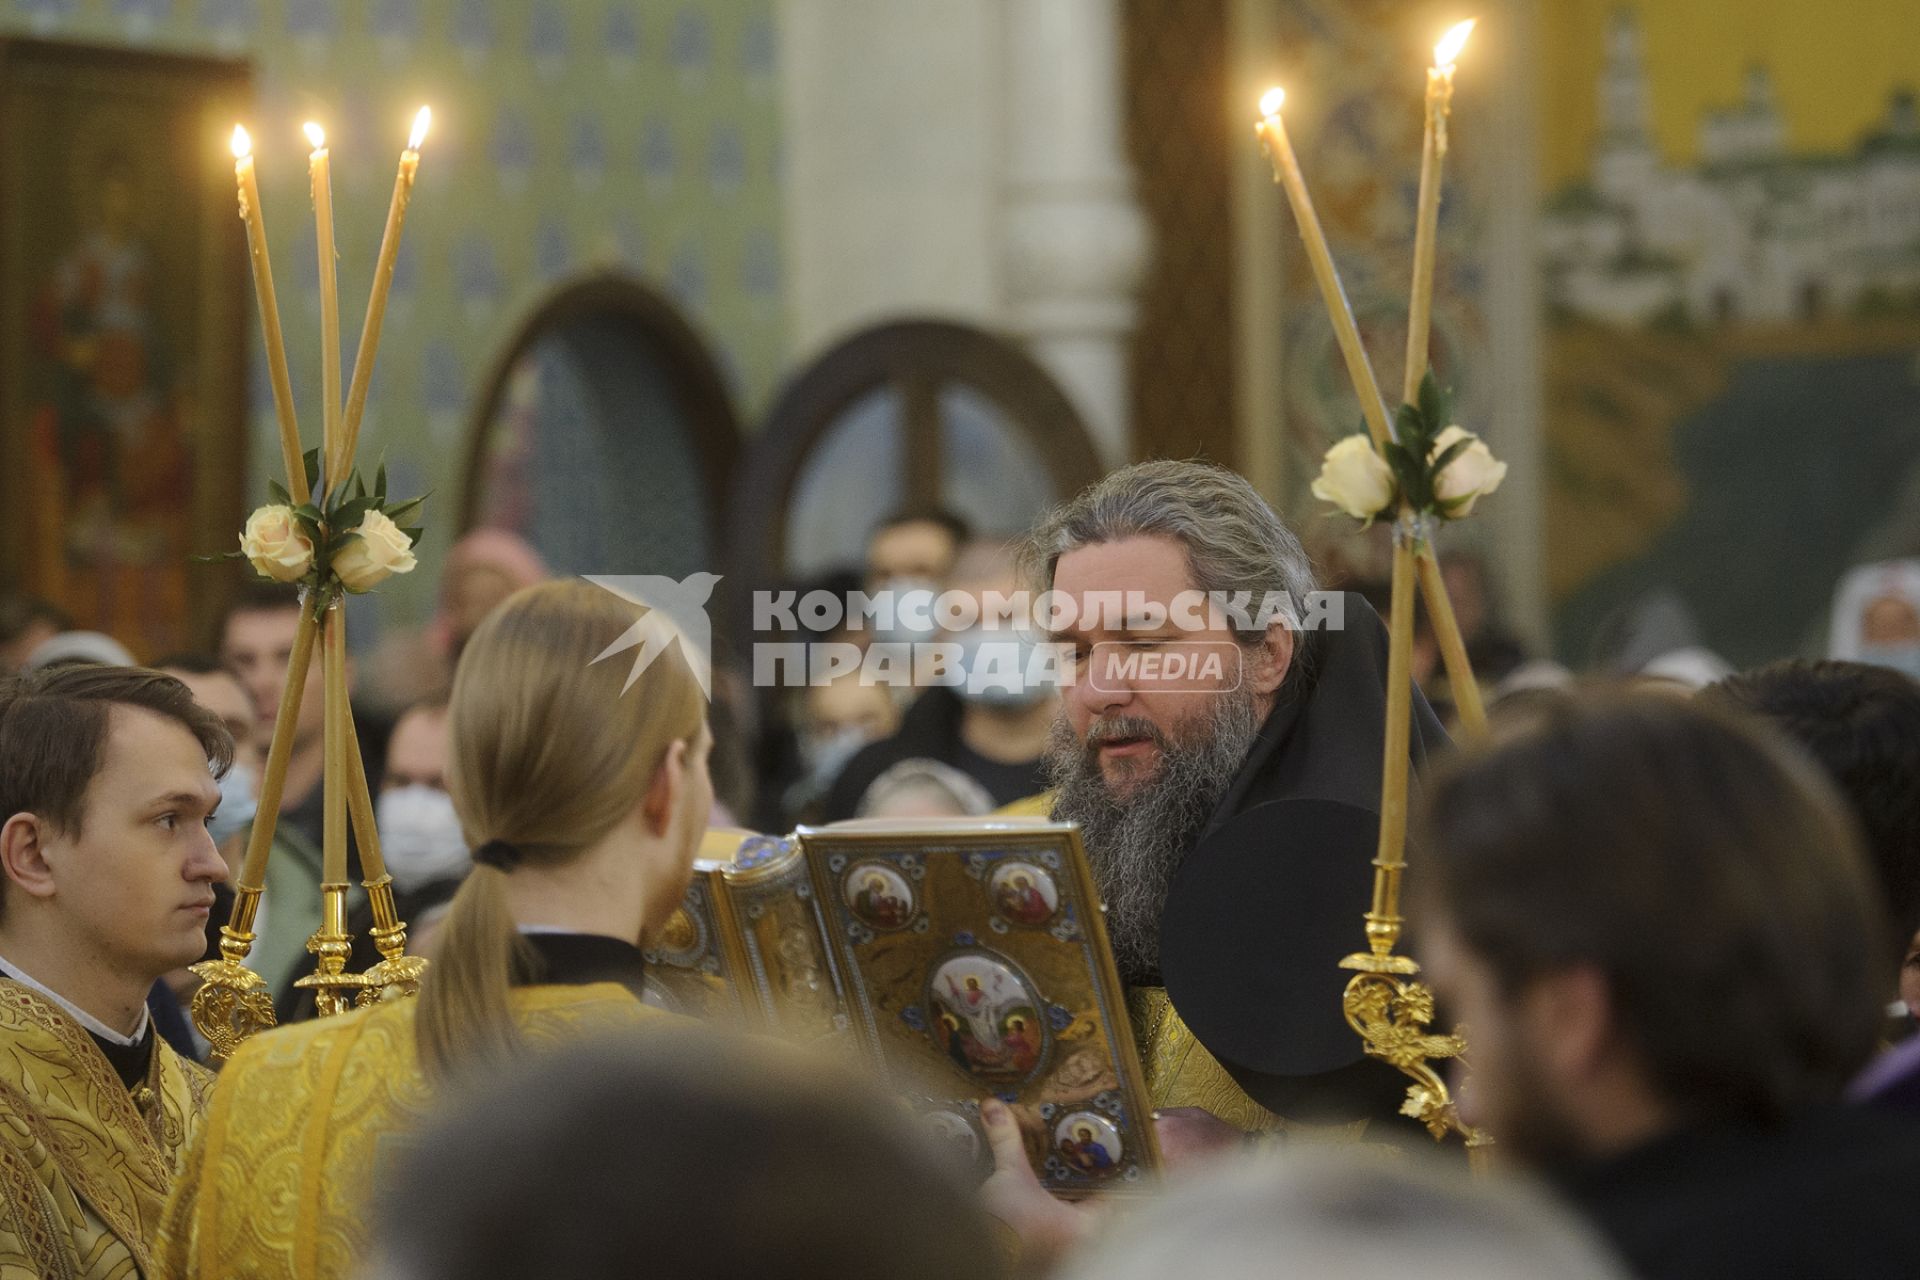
[{"x": 1833, "y": 63}]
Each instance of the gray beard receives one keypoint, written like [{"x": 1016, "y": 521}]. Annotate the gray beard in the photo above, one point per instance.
[{"x": 1135, "y": 841}]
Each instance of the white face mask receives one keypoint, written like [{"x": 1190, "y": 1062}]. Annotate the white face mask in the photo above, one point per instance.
[
  {"x": 825, "y": 755},
  {"x": 238, "y": 803},
  {"x": 913, "y": 608},
  {"x": 1904, "y": 658},
  {"x": 420, "y": 836}
]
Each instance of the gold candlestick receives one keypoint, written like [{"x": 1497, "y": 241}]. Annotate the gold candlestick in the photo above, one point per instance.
[
  {"x": 331, "y": 944},
  {"x": 233, "y": 1001},
  {"x": 276, "y": 342},
  {"x": 319, "y": 174},
  {"x": 382, "y": 285},
  {"x": 1383, "y": 1004},
  {"x": 1433, "y": 155},
  {"x": 397, "y": 974}
]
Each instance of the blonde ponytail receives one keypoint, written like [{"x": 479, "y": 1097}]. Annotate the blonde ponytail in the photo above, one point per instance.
[
  {"x": 462, "y": 1019},
  {"x": 547, "y": 755}
]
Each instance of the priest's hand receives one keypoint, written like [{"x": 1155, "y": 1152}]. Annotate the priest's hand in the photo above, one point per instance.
[
  {"x": 1046, "y": 1227},
  {"x": 1191, "y": 1136}
]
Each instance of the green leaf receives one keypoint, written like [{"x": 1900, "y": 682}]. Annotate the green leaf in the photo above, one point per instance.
[
  {"x": 359, "y": 487},
  {"x": 380, "y": 482},
  {"x": 309, "y": 513},
  {"x": 1435, "y": 404},
  {"x": 225, "y": 555},
  {"x": 413, "y": 534},
  {"x": 1408, "y": 426},
  {"x": 347, "y": 516},
  {"x": 278, "y": 492},
  {"x": 403, "y": 512},
  {"x": 312, "y": 463}
]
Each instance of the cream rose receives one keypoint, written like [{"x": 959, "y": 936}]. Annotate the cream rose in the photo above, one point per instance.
[
  {"x": 1469, "y": 477},
  {"x": 377, "y": 554},
  {"x": 275, "y": 544},
  {"x": 1355, "y": 479}
]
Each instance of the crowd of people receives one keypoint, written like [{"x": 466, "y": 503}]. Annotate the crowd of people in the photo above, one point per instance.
[{"x": 1674, "y": 910}]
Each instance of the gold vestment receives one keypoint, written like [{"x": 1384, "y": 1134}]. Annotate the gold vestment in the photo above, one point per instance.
[
  {"x": 307, "y": 1119},
  {"x": 85, "y": 1164}
]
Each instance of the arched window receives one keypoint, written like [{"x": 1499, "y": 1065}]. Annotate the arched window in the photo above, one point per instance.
[
  {"x": 913, "y": 413},
  {"x": 605, "y": 435}
]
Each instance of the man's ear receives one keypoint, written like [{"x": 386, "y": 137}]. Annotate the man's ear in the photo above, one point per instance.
[
  {"x": 1571, "y": 1016},
  {"x": 663, "y": 793},
  {"x": 23, "y": 854},
  {"x": 1269, "y": 661}
]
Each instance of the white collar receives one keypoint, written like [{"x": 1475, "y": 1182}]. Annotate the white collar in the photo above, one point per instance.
[{"x": 92, "y": 1024}]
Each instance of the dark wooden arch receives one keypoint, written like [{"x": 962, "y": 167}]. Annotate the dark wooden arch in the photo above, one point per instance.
[
  {"x": 696, "y": 380},
  {"x": 917, "y": 358}
]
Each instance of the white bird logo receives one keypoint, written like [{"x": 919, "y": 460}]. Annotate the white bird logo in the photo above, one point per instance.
[{"x": 676, "y": 610}]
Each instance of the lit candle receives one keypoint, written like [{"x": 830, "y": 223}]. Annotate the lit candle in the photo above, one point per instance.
[
  {"x": 319, "y": 173},
  {"x": 1286, "y": 170},
  {"x": 1433, "y": 155},
  {"x": 269, "y": 314},
  {"x": 382, "y": 285}
]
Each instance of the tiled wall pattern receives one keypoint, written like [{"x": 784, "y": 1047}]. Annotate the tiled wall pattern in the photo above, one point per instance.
[{"x": 569, "y": 136}]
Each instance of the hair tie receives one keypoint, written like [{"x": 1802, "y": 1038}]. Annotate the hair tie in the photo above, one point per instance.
[{"x": 497, "y": 854}]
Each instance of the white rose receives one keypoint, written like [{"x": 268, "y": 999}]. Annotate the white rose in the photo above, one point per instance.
[
  {"x": 1469, "y": 477},
  {"x": 275, "y": 544},
  {"x": 378, "y": 553},
  {"x": 1355, "y": 479}
]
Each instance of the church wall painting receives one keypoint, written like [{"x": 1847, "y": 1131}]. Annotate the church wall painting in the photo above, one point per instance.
[
  {"x": 1730, "y": 258},
  {"x": 122, "y": 319}
]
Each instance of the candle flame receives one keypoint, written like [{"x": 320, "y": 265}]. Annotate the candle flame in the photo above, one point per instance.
[
  {"x": 316, "y": 135},
  {"x": 242, "y": 144},
  {"x": 1272, "y": 100},
  {"x": 1447, "y": 52},
  {"x": 420, "y": 123}
]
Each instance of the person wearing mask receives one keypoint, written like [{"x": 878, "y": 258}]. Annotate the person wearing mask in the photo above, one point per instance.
[
  {"x": 1876, "y": 616},
  {"x": 426, "y": 852},
  {"x": 420, "y": 838},
  {"x": 914, "y": 547},
  {"x": 991, "y": 722},
  {"x": 584, "y": 807},
  {"x": 220, "y": 691},
  {"x": 838, "y": 717}
]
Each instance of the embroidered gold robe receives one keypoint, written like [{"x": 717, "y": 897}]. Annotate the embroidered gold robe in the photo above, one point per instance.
[
  {"x": 85, "y": 1165},
  {"x": 306, "y": 1121}
]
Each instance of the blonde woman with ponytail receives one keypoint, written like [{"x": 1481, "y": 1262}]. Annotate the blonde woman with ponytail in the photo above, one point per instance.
[{"x": 584, "y": 806}]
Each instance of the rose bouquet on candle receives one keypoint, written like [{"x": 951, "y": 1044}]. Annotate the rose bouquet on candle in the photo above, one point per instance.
[
  {"x": 1430, "y": 467},
  {"x": 352, "y": 540}
]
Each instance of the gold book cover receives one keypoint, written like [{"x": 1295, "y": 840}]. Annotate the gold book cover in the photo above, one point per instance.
[{"x": 961, "y": 959}]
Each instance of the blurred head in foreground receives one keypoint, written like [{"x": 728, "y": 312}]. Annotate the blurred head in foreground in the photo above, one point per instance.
[{"x": 681, "y": 1154}]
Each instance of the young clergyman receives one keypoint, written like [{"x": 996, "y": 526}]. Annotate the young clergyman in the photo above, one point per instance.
[{"x": 107, "y": 779}]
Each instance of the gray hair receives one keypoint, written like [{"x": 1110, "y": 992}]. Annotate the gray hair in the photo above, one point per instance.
[{"x": 1233, "y": 539}]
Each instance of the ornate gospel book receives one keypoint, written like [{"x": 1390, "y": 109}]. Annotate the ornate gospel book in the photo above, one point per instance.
[{"x": 957, "y": 959}]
